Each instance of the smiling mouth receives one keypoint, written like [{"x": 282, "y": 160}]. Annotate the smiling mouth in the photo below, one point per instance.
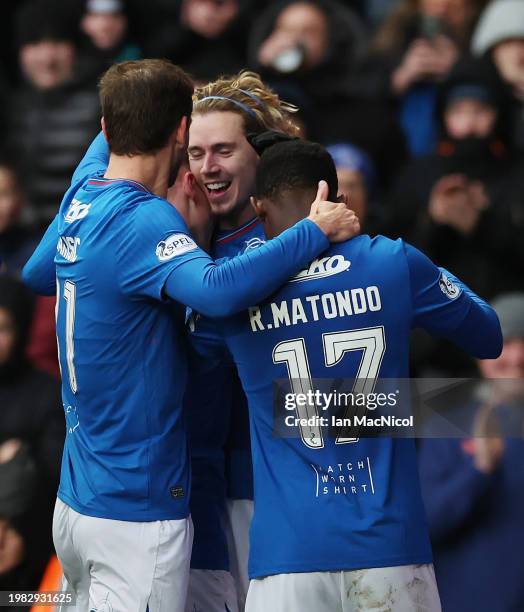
[{"x": 218, "y": 187}]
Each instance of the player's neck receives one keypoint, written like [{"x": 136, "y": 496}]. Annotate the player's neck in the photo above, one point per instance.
[
  {"x": 236, "y": 218},
  {"x": 151, "y": 171}
]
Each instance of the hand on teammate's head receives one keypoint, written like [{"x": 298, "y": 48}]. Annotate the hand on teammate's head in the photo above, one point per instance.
[{"x": 335, "y": 219}]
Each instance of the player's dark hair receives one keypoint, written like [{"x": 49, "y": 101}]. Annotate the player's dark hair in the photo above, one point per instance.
[
  {"x": 142, "y": 103},
  {"x": 297, "y": 164}
]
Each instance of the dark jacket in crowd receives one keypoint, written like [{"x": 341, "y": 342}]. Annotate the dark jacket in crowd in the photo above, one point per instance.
[
  {"x": 30, "y": 411},
  {"x": 475, "y": 524},
  {"x": 489, "y": 259},
  {"x": 204, "y": 58},
  {"x": 49, "y": 131}
]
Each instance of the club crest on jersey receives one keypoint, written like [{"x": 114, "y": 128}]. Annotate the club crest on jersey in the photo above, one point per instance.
[
  {"x": 320, "y": 268},
  {"x": 253, "y": 243},
  {"x": 176, "y": 244},
  {"x": 448, "y": 287},
  {"x": 76, "y": 211}
]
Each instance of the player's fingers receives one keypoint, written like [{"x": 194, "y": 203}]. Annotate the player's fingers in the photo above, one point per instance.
[
  {"x": 199, "y": 196},
  {"x": 349, "y": 225},
  {"x": 322, "y": 192},
  {"x": 187, "y": 184}
]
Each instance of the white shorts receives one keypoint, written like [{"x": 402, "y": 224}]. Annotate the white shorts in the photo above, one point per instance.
[
  {"x": 407, "y": 588},
  {"x": 211, "y": 591},
  {"x": 240, "y": 512},
  {"x": 123, "y": 566}
]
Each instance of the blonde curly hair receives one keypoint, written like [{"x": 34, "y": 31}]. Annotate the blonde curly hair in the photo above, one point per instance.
[{"x": 246, "y": 95}]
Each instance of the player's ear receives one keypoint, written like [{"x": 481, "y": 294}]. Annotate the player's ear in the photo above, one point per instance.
[
  {"x": 259, "y": 208},
  {"x": 182, "y": 132},
  {"x": 103, "y": 126},
  {"x": 343, "y": 198}
]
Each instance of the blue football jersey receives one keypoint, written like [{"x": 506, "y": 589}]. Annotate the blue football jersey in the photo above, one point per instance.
[
  {"x": 216, "y": 409},
  {"x": 330, "y": 503},
  {"x": 125, "y": 455},
  {"x": 116, "y": 253}
]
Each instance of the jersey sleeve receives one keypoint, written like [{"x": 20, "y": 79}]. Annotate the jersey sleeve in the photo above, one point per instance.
[
  {"x": 159, "y": 258},
  {"x": 153, "y": 241},
  {"x": 95, "y": 160},
  {"x": 446, "y": 307},
  {"x": 39, "y": 272},
  {"x": 222, "y": 290}
]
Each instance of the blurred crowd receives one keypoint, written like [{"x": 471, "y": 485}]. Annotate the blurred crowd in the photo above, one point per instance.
[{"x": 420, "y": 103}]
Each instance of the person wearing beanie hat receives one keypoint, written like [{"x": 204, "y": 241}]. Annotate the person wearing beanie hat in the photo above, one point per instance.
[
  {"x": 502, "y": 20},
  {"x": 356, "y": 177},
  {"x": 45, "y": 33},
  {"x": 500, "y": 35},
  {"x": 54, "y": 113}
]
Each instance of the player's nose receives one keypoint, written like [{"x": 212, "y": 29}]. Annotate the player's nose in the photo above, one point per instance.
[{"x": 209, "y": 165}]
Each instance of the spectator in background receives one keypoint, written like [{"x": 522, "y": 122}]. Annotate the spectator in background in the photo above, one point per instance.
[
  {"x": 447, "y": 203},
  {"x": 17, "y": 479},
  {"x": 311, "y": 53},
  {"x": 17, "y": 242},
  {"x": 31, "y": 439},
  {"x": 500, "y": 35},
  {"x": 357, "y": 179},
  {"x": 453, "y": 205},
  {"x": 206, "y": 37},
  {"x": 55, "y": 114},
  {"x": 473, "y": 489},
  {"x": 106, "y": 24},
  {"x": 419, "y": 43}
]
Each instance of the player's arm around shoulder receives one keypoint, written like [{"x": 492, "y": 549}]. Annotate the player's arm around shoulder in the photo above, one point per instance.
[
  {"x": 150, "y": 240},
  {"x": 445, "y": 306}
]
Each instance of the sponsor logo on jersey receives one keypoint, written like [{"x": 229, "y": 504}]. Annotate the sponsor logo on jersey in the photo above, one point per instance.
[
  {"x": 253, "y": 243},
  {"x": 320, "y": 268},
  {"x": 67, "y": 246},
  {"x": 448, "y": 287},
  {"x": 176, "y": 244},
  {"x": 76, "y": 211}
]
